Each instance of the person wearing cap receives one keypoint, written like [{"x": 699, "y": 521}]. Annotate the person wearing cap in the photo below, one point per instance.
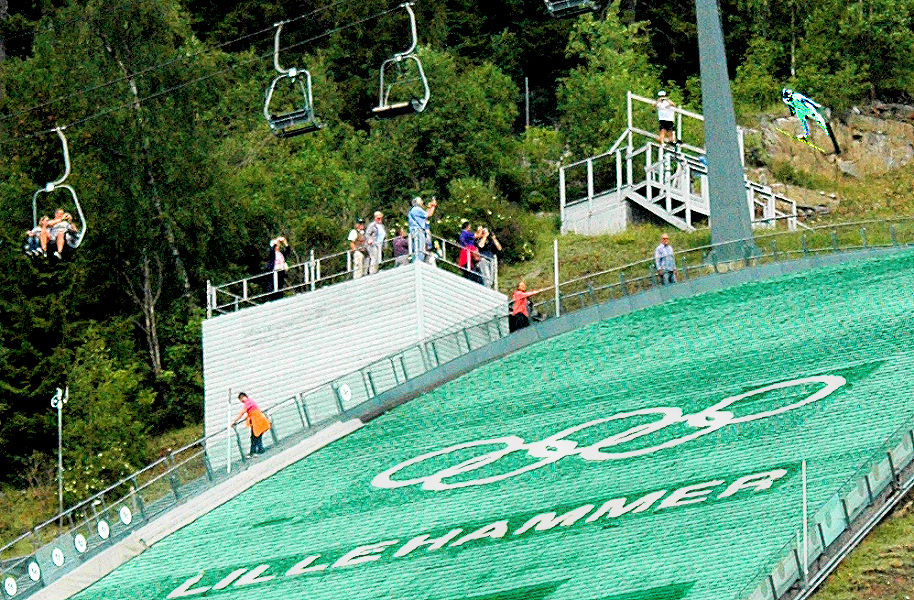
[
  {"x": 358, "y": 248},
  {"x": 375, "y": 236},
  {"x": 418, "y": 227},
  {"x": 664, "y": 261},
  {"x": 665, "y": 116}
]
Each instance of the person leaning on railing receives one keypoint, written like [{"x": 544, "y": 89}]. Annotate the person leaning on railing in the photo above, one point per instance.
[
  {"x": 258, "y": 423},
  {"x": 520, "y": 311}
]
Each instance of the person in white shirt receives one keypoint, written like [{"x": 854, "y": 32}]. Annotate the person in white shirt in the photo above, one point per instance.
[
  {"x": 665, "y": 116},
  {"x": 664, "y": 261},
  {"x": 375, "y": 236}
]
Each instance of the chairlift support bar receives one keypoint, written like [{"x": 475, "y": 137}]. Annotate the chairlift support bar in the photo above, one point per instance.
[
  {"x": 59, "y": 183},
  {"x": 414, "y": 105},
  {"x": 299, "y": 121},
  {"x": 561, "y": 9}
]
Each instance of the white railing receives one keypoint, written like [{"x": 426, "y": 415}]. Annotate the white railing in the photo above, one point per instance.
[{"x": 317, "y": 272}]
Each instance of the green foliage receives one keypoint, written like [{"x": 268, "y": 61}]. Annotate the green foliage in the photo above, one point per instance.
[
  {"x": 787, "y": 173},
  {"x": 473, "y": 200},
  {"x": 104, "y": 440},
  {"x": 614, "y": 60},
  {"x": 540, "y": 153},
  {"x": 755, "y": 87}
]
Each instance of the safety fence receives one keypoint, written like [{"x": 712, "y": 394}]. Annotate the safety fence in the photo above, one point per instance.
[
  {"x": 702, "y": 261},
  {"x": 48, "y": 551},
  {"x": 318, "y": 272},
  {"x": 802, "y": 564},
  {"x": 53, "y": 548}
]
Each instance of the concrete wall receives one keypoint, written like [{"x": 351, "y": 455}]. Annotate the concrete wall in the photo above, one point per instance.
[
  {"x": 609, "y": 215},
  {"x": 283, "y": 348}
]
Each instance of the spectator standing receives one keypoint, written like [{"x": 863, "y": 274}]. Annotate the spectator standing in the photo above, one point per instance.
[
  {"x": 520, "y": 312},
  {"x": 375, "y": 236},
  {"x": 401, "y": 248},
  {"x": 418, "y": 227},
  {"x": 469, "y": 253},
  {"x": 665, "y": 115},
  {"x": 256, "y": 421},
  {"x": 488, "y": 246},
  {"x": 277, "y": 266},
  {"x": 358, "y": 248},
  {"x": 664, "y": 261}
]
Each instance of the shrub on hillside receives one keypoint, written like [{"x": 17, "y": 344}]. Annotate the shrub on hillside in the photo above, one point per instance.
[{"x": 470, "y": 199}]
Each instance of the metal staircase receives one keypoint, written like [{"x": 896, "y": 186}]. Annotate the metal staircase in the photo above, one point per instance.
[{"x": 608, "y": 192}]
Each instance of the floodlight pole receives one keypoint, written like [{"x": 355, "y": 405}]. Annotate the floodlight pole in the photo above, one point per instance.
[
  {"x": 729, "y": 218},
  {"x": 60, "y": 398}
]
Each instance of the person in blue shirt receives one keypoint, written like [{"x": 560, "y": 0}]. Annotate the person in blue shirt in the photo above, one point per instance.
[{"x": 418, "y": 226}]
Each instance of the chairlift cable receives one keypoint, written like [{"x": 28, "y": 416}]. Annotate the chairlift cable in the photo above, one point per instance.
[
  {"x": 161, "y": 65},
  {"x": 206, "y": 77}
]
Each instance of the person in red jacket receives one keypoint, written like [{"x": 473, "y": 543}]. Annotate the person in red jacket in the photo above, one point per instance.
[{"x": 520, "y": 314}]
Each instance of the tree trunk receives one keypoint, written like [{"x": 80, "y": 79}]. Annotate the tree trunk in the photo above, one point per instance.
[
  {"x": 150, "y": 176},
  {"x": 146, "y": 297}
]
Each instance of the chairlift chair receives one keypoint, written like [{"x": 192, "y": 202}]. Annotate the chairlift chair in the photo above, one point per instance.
[
  {"x": 300, "y": 120},
  {"x": 387, "y": 109},
  {"x": 561, "y": 9},
  {"x": 75, "y": 238}
]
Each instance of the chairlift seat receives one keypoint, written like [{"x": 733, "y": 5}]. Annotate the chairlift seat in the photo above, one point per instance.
[
  {"x": 562, "y": 9},
  {"x": 294, "y": 123},
  {"x": 298, "y": 121},
  {"x": 398, "y": 109},
  {"x": 387, "y": 109}
]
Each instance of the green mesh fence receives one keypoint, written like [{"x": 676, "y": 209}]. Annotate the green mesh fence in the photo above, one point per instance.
[{"x": 683, "y": 483}]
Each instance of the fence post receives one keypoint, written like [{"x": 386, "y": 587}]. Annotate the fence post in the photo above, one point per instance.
[
  {"x": 805, "y": 245},
  {"x": 555, "y": 262},
  {"x": 834, "y": 238},
  {"x": 313, "y": 269},
  {"x": 139, "y": 499},
  {"x": 622, "y": 283},
  {"x": 863, "y": 236},
  {"x": 892, "y": 233},
  {"x": 774, "y": 250}
]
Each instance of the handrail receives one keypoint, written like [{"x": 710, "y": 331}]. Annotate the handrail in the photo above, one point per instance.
[
  {"x": 138, "y": 505},
  {"x": 903, "y": 435},
  {"x": 312, "y": 276}
]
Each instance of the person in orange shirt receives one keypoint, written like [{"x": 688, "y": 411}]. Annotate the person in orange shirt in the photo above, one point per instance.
[
  {"x": 256, "y": 421},
  {"x": 520, "y": 314}
]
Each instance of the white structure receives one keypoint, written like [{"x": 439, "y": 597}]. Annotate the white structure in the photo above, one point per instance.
[
  {"x": 608, "y": 192},
  {"x": 285, "y": 347}
]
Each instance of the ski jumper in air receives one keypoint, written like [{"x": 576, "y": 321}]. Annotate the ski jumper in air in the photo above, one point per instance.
[{"x": 805, "y": 108}]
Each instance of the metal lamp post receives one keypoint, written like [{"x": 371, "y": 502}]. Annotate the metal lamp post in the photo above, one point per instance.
[{"x": 57, "y": 401}]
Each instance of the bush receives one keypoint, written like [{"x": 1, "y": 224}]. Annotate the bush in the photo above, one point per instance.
[{"x": 470, "y": 199}]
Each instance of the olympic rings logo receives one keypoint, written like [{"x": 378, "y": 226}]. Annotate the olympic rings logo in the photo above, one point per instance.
[{"x": 555, "y": 447}]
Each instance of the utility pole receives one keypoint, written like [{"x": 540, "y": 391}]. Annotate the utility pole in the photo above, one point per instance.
[
  {"x": 57, "y": 401},
  {"x": 730, "y": 219}
]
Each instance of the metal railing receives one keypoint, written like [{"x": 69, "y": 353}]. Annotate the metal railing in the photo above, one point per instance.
[
  {"x": 701, "y": 261},
  {"x": 791, "y": 566},
  {"x": 51, "y": 549},
  {"x": 317, "y": 272},
  {"x": 78, "y": 533}
]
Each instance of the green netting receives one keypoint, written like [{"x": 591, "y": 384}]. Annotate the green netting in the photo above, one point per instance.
[{"x": 321, "y": 530}]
